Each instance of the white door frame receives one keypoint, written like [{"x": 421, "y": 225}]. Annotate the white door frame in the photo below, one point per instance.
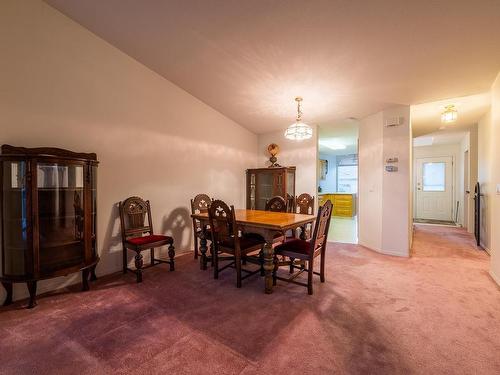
[{"x": 453, "y": 183}]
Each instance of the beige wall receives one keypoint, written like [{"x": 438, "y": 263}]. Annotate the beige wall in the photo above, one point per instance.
[
  {"x": 302, "y": 155},
  {"x": 385, "y": 197},
  {"x": 489, "y": 178},
  {"x": 370, "y": 169},
  {"x": 62, "y": 86},
  {"x": 494, "y": 203}
]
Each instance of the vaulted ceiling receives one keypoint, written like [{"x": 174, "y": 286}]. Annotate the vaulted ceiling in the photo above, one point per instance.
[{"x": 349, "y": 58}]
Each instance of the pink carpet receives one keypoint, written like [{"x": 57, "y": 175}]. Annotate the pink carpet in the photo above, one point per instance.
[{"x": 438, "y": 312}]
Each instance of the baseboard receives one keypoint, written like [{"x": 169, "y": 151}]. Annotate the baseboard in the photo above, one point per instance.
[
  {"x": 495, "y": 277},
  {"x": 385, "y": 252},
  {"x": 485, "y": 248},
  {"x": 394, "y": 254}
]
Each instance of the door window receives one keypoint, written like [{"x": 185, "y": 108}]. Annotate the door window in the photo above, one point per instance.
[{"x": 434, "y": 176}]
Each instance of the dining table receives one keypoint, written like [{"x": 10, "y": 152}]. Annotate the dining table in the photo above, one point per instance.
[{"x": 265, "y": 223}]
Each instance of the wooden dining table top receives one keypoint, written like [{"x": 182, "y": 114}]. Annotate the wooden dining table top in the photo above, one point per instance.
[{"x": 266, "y": 219}]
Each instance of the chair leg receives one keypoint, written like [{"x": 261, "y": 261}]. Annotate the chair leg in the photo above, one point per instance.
[
  {"x": 152, "y": 252},
  {"x": 124, "y": 260},
  {"x": 138, "y": 265},
  {"x": 310, "y": 267},
  {"x": 215, "y": 260},
  {"x": 291, "y": 264},
  {"x": 171, "y": 255},
  {"x": 211, "y": 254},
  {"x": 322, "y": 270},
  {"x": 237, "y": 261},
  {"x": 195, "y": 247}
]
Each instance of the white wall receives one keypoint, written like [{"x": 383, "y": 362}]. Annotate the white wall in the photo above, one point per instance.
[
  {"x": 385, "y": 197},
  {"x": 329, "y": 185},
  {"x": 301, "y": 154},
  {"x": 62, "y": 86}
]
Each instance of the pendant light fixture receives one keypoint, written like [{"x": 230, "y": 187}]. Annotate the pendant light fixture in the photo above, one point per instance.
[
  {"x": 298, "y": 131},
  {"x": 450, "y": 114}
]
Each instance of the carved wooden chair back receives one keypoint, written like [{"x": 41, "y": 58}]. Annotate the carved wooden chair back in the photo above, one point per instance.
[
  {"x": 290, "y": 202},
  {"x": 276, "y": 204},
  {"x": 320, "y": 235},
  {"x": 305, "y": 204},
  {"x": 222, "y": 221},
  {"x": 199, "y": 204},
  {"x": 135, "y": 217}
]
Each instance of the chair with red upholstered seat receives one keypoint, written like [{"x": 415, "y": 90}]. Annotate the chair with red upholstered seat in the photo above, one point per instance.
[
  {"x": 226, "y": 240},
  {"x": 137, "y": 235},
  {"x": 306, "y": 251}
]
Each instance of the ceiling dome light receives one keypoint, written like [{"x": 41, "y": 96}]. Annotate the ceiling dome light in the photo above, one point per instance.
[
  {"x": 299, "y": 130},
  {"x": 450, "y": 114}
]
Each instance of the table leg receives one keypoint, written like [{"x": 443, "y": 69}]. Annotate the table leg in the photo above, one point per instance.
[
  {"x": 203, "y": 250},
  {"x": 268, "y": 265}
]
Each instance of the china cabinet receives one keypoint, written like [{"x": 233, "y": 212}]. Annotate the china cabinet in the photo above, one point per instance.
[
  {"x": 48, "y": 216},
  {"x": 265, "y": 183}
]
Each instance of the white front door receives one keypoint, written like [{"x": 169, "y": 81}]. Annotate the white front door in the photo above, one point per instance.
[{"x": 434, "y": 190}]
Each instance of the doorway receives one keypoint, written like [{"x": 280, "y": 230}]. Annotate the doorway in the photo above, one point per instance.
[
  {"x": 434, "y": 189},
  {"x": 466, "y": 189},
  {"x": 338, "y": 178}
]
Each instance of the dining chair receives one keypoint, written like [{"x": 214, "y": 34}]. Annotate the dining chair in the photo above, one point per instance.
[
  {"x": 226, "y": 240},
  {"x": 137, "y": 235},
  {"x": 306, "y": 251},
  {"x": 199, "y": 204},
  {"x": 276, "y": 204},
  {"x": 304, "y": 204},
  {"x": 290, "y": 202}
]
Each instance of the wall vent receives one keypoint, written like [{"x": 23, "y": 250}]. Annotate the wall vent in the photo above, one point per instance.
[{"x": 394, "y": 121}]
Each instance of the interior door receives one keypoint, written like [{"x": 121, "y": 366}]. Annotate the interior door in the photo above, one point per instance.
[{"x": 434, "y": 190}]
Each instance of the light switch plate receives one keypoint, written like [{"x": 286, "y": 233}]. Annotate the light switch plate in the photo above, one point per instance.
[{"x": 498, "y": 189}]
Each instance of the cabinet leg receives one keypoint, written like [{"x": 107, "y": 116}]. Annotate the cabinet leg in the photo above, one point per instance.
[
  {"x": 93, "y": 276},
  {"x": 8, "y": 290},
  {"x": 32, "y": 291},
  {"x": 85, "y": 279}
]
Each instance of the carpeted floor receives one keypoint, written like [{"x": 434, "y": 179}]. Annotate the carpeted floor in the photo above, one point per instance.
[{"x": 436, "y": 313}]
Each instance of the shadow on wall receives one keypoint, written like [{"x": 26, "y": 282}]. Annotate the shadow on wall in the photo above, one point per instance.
[
  {"x": 112, "y": 241},
  {"x": 177, "y": 225}
]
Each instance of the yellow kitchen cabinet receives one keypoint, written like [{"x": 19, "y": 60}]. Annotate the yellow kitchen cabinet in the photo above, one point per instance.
[{"x": 344, "y": 204}]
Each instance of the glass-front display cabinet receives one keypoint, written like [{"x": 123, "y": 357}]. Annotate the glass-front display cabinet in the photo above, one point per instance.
[
  {"x": 48, "y": 216},
  {"x": 265, "y": 183}
]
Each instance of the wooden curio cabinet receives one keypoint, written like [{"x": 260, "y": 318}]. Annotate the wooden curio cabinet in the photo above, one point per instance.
[
  {"x": 48, "y": 216},
  {"x": 265, "y": 183}
]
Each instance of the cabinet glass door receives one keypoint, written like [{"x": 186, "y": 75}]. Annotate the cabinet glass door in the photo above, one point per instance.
[
  {"x": 94, "y": 210},
  {"x": 290, "y": 182},
  {"x": 265, "y": 182},
  {"x": 15, "y": 217},
  {"x": 61, "y": 215}
]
